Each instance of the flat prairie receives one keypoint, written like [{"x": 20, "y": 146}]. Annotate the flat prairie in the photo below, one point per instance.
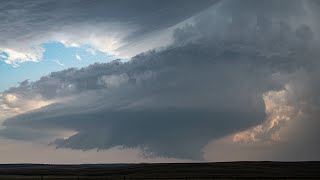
[{"x": 218, "y": 170}]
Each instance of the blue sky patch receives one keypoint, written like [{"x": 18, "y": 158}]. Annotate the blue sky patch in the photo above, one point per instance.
[{"x": 55, "y": 58}]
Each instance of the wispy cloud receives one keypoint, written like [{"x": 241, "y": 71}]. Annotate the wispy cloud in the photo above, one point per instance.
[
  {"x": 91, "y": 51},
  {"x": 58, "y": 62},
  {"x": 78, "y": 57}
]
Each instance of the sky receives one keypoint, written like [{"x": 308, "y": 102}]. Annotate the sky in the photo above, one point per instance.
[{"x": 159, "y": 81}]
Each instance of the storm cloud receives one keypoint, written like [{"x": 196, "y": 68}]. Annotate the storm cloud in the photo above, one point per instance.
[
  {"x": 154, "y": 100},
  {"x": 208, "y": 84}
]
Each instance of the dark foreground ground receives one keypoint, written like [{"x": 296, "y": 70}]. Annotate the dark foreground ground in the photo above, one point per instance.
[{"x": 224, "y": 170}]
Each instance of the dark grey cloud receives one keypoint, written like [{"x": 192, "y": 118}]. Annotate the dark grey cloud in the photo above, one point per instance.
[
  {"x": 36, "y": 16},
  {"x": 208, "y": 84}
]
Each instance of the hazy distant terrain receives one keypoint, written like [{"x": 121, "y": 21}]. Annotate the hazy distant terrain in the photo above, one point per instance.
[{"x": 223, "y": 170}]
